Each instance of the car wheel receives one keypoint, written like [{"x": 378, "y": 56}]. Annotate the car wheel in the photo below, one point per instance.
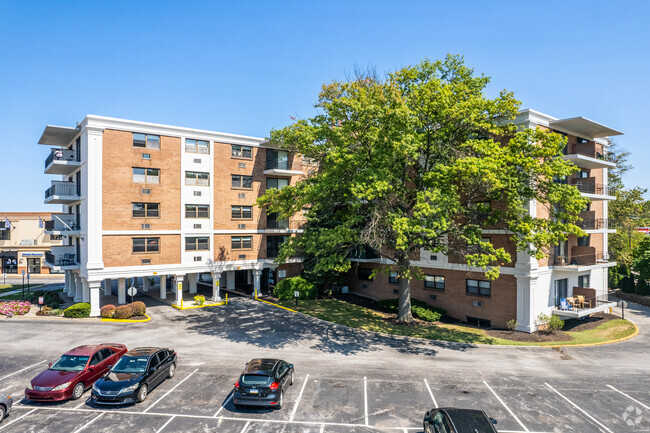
[
  {"x": 78, "y": 391},
  {"x": 142, "y": 393},
  {"x": 3, "y": 412},
  {"x": 280, "y": 401},
  {"x": 172, "y": 371},
  {"x": 291, "y": 382}
]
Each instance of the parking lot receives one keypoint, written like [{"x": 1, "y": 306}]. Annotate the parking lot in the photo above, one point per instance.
[{"x": 198, "y": 399}]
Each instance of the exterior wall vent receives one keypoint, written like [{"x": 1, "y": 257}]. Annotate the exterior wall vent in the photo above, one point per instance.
[
  {"x": 477, "y": 303},
  {"x": 197, "y": 226},
  {"x": 241, "y": 226},
  {"x": 146, "y": 226},
  {"x": 197, "y": 193},
  {"x": 432, "y": 297},
  {"x": 242, "y": 257},
  {"x": 197, "y": 160},
  {"x": 242, "y": 195},
  {"x": 145, "y": 261},
  {"x": 146, "y": 191},
  {"x": 146, "y": 156},
  {"x": 242, "y": 165},
  {"x": 197, "y": 258},
  {"x": 433, "y": 257}
]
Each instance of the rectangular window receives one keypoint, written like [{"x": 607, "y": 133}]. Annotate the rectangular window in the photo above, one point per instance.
[
  {"x": 393, "y": 278},
  {"x": 197, "y": 243},
  {"x": 197, "y": 178},
  {"x": 241, "y": 212},
  {"x": 583, "y": 280},
  {"x": 478, "y": 287},
  {"x": 276, "y": 183},
  {"x": 239, "y": 181},
  {"x": 146, "y": 175},
  {"x": 364, "y": 274},
  {"x": 197, "y": 146},
  {"x": 434, "y": 282},
  {"x": 273, "y": 244},
  {"x": 277, "y": 159},
  {"x": 242, "y": 151},
  {"x": 145, "y": 140},
  {"x": 52, "y": 237},
  {"x": 146, "y": 156},
  {"x": 197, "y": 211},
  {"x": 583, "y": 241},
  {"x": 146, "y": 245},
  {"x": 241, "y": 242},
  {"x": 145, "y": 210}
]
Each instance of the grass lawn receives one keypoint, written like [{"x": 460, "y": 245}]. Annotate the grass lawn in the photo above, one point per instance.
[
  {"x": 9, "y": 287},
  {"x": 355, "y": 316},
  {"x": 19, "y": 296}
]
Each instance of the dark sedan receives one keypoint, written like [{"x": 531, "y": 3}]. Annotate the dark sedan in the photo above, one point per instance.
[
  {"x": 452, "y": 420},
  {"x": 263, "y": 383},
  {"x": 74, "y": 372},
  {"x": 135, "y": 375}
]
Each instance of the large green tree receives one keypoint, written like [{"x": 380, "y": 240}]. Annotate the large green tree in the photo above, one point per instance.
[{"x": 410, "y": 161}]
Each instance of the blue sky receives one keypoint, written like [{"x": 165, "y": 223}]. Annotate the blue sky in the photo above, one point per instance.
[{"x": 244, "y": 67}]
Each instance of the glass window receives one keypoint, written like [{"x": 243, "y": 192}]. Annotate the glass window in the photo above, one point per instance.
[
  {"x": 434, "y": 282},
  {"x": 241, "y": 212},
  {"x": 139, "y": 175},
  {"x": 276, "y": 183},
  {"x": 131, "y": 364},
  {"x": 145, "y": 245},
  {"x": 393, "y": 278},
  {"x": 197, "y": 211},
  {"x": 583, "y": 281},
  {"x": 139, "y": 140},
  {"x": 197, "y": 146},
  {"x": 144, "y": 210},
  {"x": 478, "y": 287},
  {"x": 239, "y": 181},
  {"x": 144, "y": 140},
  {"x": 242, "y": 151},
  {"x": 197, "y": 178},
  {"x": 241, "y": 242},
  {"x": 197, "y": 243},
  {"x": 273, "y": 244},
  {"x": 146, "y": 175},
  {"x": 70, "y": 363},
  {"x": 364, "y": 273}
]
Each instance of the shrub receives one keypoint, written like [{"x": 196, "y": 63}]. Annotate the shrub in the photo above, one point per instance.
[
  {"x": 123, "y": 312},
  {"x": 45, "y": 311},
  {"x": 419, "y": 309},
  {"x": 542, "y": 320},
  {"x": 51, "y": 299},
  {"x": 627, "y": 284},
  {"x": 286, "y": 288},
  {"x": 642, "y": 287},
  {"x": 107, "y": 311},
  {"x": 555, "y": 324},
  {"x": 138, "y": 308},
  {"x": 199, "y": 299},
  {"x": 512, "y": 324},
  {"x": 81, "y": 309}
]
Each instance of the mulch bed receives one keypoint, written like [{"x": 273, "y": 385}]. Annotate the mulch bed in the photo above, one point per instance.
[{"x": 535, "y": 337}]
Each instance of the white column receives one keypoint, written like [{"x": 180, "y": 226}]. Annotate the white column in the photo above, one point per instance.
[
  {"x": 163, "y": 287},
  {"x": 71, "y": 284},
  {"x": 179, "y": 288},
  {"x": 86, "y": 290},
  {"x": 249, "y": 276},
  {"x": 107, "y": 286},
  {"x": 216, "y": 289},
  {"x": 66, "y": 284},
  {"x": 78, "y": 296},
  {"x": 192, "y": 283},
  {"x": 145, "y": 284},
  {"x": 230, "y": 280},
  {"x": 121, "y": 291},
  {"x": 257, "y": 278},
  {"x": 93, "y": 288}
]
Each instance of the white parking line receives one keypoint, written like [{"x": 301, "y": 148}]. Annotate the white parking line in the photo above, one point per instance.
[
  {"x": 295, "y": 407},
  {"x": 166, "y": 424},
  {"x": 507, "y": 408},
  {"x": 89, "y": 422},
  {"x": 16, "y": 420},
  {"x": 245, "y": 427},
  {"x": 580, "y": 409},
  {"x": 168, "y": 392},
  {"x": 633, "y": 399},
  {"x": 322, "y": 428},
  {"x": 365, "y": 398},
  {"x": 225, "y": 403},
  {"x": 21, "y": 370},
  {"x": 435, "y": 403}
]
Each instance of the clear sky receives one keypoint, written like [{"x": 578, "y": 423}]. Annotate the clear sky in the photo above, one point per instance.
[{"x": 244, "y": 67}]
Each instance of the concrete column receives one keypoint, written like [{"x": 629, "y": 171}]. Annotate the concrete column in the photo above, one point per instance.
[
  {"x": 66, "y": 284},
  {"x": 257, "y": 280},
  {"x": 192, "y": 283},
  {"x": 163, "y": 287},
  {"x": 108, "y": 283},
  {"x": 86, "y": 290},
  {"x": 93, "y": 289},
  {"x": 216, "y": 289},
  {"x": 145, "y": 284},
  {"x": 179, "y": 288},
  {"x": 72, "y": 284},
  {"x": 230, "y": 280},
  {"x": 78, "y": 297},
  {"x": 121, "y": 291}
]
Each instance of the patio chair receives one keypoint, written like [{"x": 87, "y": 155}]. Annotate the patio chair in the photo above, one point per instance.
[
  {"x": 572, "y": 303},
  {"x": 582, "y": 301},
  {"x": 564, "y": 305},
  {"x": 65, "y": 260}
]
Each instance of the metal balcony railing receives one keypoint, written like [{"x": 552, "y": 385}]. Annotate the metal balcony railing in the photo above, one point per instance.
[
  {"x": 277, "y": 224},
  {"x": 62, "y": 222},
  {"x": 588, "y": 186},
  {"x": 62, "y": 155},
  {"x": 66, "y": 259},
  {"x": 61, "y": 189}
]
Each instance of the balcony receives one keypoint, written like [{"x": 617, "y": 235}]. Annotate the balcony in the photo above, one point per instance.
[
  {"x": 580, "y": 256},
  {"x": 591, "y": 189},
  {"x": 62, "y": 258},
  {"x": 296, "y": 224},
  {"x": 584, "y": 155},
  {"x": 590, "y": 222},
  {"x": 62, "y": 193},
  {"x": 62, "y": 161},
  {"x": 62, "y": 224},
  {"x": 591, "y": 304},
  {"x": 279, "y": 166}
]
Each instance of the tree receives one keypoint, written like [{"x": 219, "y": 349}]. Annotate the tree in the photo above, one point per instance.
[
  {"x": 407, "y": 162},
  {"x": 628, "y": 211}
]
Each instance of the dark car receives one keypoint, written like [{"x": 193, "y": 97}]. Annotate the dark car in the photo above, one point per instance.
[
  {"x": 452, "y": 420},
  {"x": 137, "y": 372},
  {"x": 263, "y": 383},
  {"x": 5, "y": 406},
  {"x": 74, "y": 372}
]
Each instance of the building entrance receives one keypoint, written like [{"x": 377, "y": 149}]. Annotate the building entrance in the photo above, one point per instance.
[{"x": 34, "y": 265}]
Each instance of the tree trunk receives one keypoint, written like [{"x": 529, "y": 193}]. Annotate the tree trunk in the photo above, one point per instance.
[{"x": 404, "y": 307}]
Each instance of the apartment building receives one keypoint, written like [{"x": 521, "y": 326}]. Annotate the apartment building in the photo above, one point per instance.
[
  {"x": 24, "y": 242},
  {"x": 527, "y": 286},
  {"x": 151, "y": 201}
]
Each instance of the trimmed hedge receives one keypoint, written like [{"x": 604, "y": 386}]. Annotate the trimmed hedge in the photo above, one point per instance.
[
  {"x": 419, "y": 309},
  {"x": 51, "y": 299},
  {"x": 123, "y": 312},
  {"x": 107, "y": 311},
  {"x": 286, "y": 288},
  {"x": 642, "y": 287},
  {"x": 81, "y": 309},
  {"x": 138, "y": 308}
]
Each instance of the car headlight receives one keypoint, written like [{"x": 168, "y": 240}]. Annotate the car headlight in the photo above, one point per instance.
[
  {"x": 29, "y": 386},
  {"x": 61, "y": 387},
  {"x": 95, "y": 388},
  {"x": 128, "y": 388}
]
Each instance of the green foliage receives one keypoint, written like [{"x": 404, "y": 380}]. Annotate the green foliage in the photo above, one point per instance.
[
  {"x": 81, "y": 309},
  {"x": 627, "y": 212},
  {"x": 199, "y": 299},
  {"x": 286, "y": 288},
  {"x": 555, "y": 324},
  {"x": 512, "y": 324},
  {"x": 642, "y": 287},
  {"x": 626, "y": 284},
  {"x": 543, "y": 319},
  {"x": 123, "y": 312},
  {"x": 50, "y": 298},
  {"x": 419, "y": 309},
  {"x": 107, "y": 311}
]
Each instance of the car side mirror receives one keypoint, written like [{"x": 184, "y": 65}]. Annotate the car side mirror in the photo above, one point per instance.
[
  {"x": 493, "y": 421},
  {"x": 49, "y": 365},
  {"x": 427, "y": 419},
  {"x": 290, "y": 365}
]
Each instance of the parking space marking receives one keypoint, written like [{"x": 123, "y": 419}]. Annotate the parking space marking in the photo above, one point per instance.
[
  {"x": 580, "y": 409},
  {"x": 631, "y": 398},
  {"x": 245, "y": 427},
  {"x": 225, "y": 403},
  {"x": 435, "y": 403},
  {"x": 166, "y": 424},
  {"x": 295, "y": 406},
  {"x": 507, "y": 408},
  {"x": 89, "y": 422},
  {"x": 168, "y": 392},
  {"x": 365, "y": 398},
  {"x": 21, "y": 370},
  {"x": 17, "y": 419},
  {"x": 322, "y": 428}
]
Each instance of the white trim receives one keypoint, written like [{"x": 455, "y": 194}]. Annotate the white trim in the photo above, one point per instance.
[{"x": 197, "y": 232}]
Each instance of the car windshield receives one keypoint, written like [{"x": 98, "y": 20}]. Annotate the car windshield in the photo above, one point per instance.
[
  {"x": 70, "y": 363},
  {"x": 131, "y": 364},
  {"x": 255, "y": 379}
]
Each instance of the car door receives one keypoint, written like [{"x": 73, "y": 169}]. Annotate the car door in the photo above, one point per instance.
[
  {"x": 108, "y": 359},
  {"x": 154, "y": 370},
  {"x": 95, "y": 370},
  {"x": 282, "y": 375},
  {"x": 440, "y": 423}
]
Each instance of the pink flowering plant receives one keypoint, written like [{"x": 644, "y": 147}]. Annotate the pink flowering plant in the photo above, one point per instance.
[{"x": 14, "y": 308}]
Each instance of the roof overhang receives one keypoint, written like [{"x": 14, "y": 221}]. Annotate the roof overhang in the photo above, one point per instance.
[
  {"x": 58, "y": 135},
  {"x": 584, "y": 127}
]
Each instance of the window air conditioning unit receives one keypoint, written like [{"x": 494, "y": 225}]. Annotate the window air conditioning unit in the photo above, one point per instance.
[
  {"x": 146, "y": 226},
  {"x": 146, "y": 191},
  {"x": 197, "y": 193},
  {"x": 477, "y": 303},
  {"x": 242, "y": 195},
  {"x": 146, "y": 261},
  {"x": 241, "y": 226},
  {"x": 197, "y": 226}
]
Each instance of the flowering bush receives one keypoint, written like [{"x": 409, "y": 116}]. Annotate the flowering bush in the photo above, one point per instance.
[
  {"x": 15, "y": 308},
  {"x": 199, "y": 299}
]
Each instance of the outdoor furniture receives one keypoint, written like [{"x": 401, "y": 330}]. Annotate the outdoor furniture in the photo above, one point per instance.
[
  {"x": 582, "y": 302},
  {"x": 572, "y": 303},
  {"x": 564, "y": 305}
]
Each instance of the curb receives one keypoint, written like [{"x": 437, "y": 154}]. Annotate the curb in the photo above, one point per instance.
[
  {"x": 198, "y": 306},
  {"x": 293, "y": 311},
  {"x": 127, "y": 320},
  {"x": 602, "y": 343}
]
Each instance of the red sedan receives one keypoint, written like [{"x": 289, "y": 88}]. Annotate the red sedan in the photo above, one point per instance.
[{"x": 74, "y": 372}]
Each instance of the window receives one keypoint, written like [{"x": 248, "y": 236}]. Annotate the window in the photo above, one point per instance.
[
  {"x": 583, "y": 241},
  {"x": 5, "y": 231},
  {"x": 583, "y": 280},
  {"x": 197, "y": 243},
  {"x": 276, "y": 183},
  {"x": 277, "y": 159},
  {"x": 197, "y": 146},
  {"x": 197, "y": 178},
  {"x": 364, "y": 274},
  {"x": 479, "y": 322},
  {"x": 241, "y": 212},
  {"x": 239, "y": 181},
  {"x": 146, "y": 175},
  {"x": 145, "y": 210},
  {"x": 146, "y": 156},
  {"x": 146, "y": 245},
  {"x": 273, "y": 244},
  {"x": 242, "y": 151},
  {"x": 197, "y": 211},
  {"x": 434, "y": 282},
  {"x": 582, "y": 174},
  {"x": 478, "y": 287},
  {"x": 241, "y": 242},
  {"x": 52, "y": 237},
  {"x": 393, "y": 278},
  {"x": 148, "y": 141}
]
